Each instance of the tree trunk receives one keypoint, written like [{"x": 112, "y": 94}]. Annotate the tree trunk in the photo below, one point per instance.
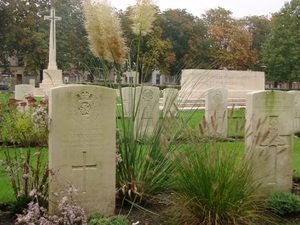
[
  {"x": 290, "y": 85},
  {"x": 41, "y": 76}
]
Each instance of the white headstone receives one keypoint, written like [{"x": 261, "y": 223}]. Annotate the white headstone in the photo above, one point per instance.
[
  {"x": 82, "y": 146},
  {"x": 128, "y": 99},
  {"x": 147, "y": 111},
  {"x": 297, "y": 110},
  {"x": 170, "y": 98},
  {"x": 269, "y": 138},
  {"x": 216, "y": 102},
  {"x": 155, "y": 73},
  {"x": 23, "y": 90},
  {"x": 32, "y": 82}
]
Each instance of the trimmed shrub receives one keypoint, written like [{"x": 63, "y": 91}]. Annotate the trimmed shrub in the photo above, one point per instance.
[
  {"x": 283, "y": 203},
  {"x": 98, "y": 219}
]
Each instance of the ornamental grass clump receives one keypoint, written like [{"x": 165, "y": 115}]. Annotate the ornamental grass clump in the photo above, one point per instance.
[
  {"x": 143, "y": 16},
  {"x": 213, "y": 182},
  {"x": 144, "y": 170},
  {"x": 104, "y": 32}
]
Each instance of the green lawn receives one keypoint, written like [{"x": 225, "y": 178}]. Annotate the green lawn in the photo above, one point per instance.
[{"x": 6, "y": 193}]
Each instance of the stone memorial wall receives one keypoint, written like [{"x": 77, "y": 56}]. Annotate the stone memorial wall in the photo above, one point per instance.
[{"x": 194, "y": 82}]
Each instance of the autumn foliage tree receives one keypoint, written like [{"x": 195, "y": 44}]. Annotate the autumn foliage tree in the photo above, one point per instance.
[
  {"x": 177, "y": 40},
  {"x": 230, "y": 42}
]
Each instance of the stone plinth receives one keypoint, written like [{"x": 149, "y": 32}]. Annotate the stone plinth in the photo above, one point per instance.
[{"x": 51, "y": 78}]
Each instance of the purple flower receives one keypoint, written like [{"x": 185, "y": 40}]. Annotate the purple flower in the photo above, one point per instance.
[{"x": 32, "y": 192}]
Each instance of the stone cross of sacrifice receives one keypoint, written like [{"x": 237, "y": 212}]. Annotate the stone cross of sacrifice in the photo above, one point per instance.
[{"x": 52, "y": 40}]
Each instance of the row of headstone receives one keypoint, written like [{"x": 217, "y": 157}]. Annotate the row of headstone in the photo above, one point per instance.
[
  {"x": 83, "y": 123},
  {"x": 272, "y": 117},
  {"x": 142, "y": 103},
  {"x": 170, "y": 99},
  {"x": 82, "y": 138}
]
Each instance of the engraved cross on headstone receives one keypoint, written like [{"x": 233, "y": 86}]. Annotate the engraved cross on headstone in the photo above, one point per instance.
[
  {"x": 272, "y": 146},
  {"x": 147, "y": 118},
  {"x": 83, "y": 167},
  {"x": 52, "y": 40}
]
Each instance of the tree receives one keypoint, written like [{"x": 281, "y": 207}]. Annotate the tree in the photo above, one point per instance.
[
  {"x": 155, "y": 51},
  {"x": 187, "y": 34},
  {"x": 22, "y": 19},
  {"x": 72, "y": 44},
  {"x": 281, "y": 52},
  {"x": 27, "y": 41},
  {"x": 259, "y": 28},
  {"x": 5, "y": 17},
  {"x": 30, "y": 38},
  {"x": 230, "y": 42}
]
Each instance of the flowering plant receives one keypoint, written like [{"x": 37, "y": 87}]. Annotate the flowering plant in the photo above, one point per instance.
[
  {"x": 25, "y": 134},
  {"x": 71, "y": 213}
]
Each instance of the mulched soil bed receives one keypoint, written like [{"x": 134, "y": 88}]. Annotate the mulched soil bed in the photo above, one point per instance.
[{"x": 157, "y": 213}]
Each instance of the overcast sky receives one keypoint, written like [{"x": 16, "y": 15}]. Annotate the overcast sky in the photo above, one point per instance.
[{"x": 239, "y": 8}]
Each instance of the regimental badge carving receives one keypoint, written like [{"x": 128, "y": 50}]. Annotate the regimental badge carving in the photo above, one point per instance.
[
  {"x": 147, "y": 95},
  {"x": 24, "y": 89},
  {"x": 274, "y": 138},
  {"x": 84, "y": 108},
  {"x": 217, "y": 97}
]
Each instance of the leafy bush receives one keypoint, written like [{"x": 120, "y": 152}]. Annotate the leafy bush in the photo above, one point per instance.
[
  {"x": 25, "y": 123},
  {"x": 98, "y": 219},
  {"x": 282, "y": 203}
]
